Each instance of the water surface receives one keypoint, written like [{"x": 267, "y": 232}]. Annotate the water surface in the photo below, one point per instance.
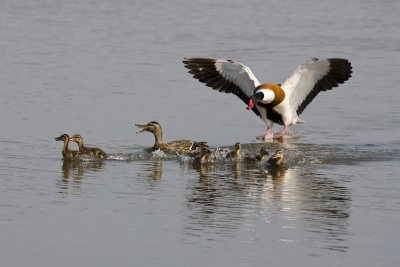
[{"x": 96, "y": 68}]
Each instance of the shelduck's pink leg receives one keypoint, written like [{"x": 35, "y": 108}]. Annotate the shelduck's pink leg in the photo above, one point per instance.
[
  {"x": 284, "y": 131},
  {"x": 267, "y": 135}
]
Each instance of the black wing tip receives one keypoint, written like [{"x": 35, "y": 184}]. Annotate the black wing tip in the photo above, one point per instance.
[
  {"x": 345, "y": 63},
  {"x": 341, "y": 69},
  {"x": 205, "y": 71},
  {"x": 198, "y": 60}
]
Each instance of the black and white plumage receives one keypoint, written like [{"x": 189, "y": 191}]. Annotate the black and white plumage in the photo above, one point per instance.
[{"x": 273, "y": 103}]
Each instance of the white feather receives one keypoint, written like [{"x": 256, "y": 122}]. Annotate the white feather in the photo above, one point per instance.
[
  {"x": 269, "y": 96},
  {"x": 302, "y": 81},
  {"x": 238, "y": 74}
]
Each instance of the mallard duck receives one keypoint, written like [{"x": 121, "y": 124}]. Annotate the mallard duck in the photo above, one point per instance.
[
  {"x": 235, "y": 154},
  {"x": 272, "y": 102},
  {"x": 67, "y": 154},
  {"x": 93, "y": 151},
  {"x": 178, "y": 146},
  {"x": 250, "y": 158},
  {"x": 277, "y": 159}
]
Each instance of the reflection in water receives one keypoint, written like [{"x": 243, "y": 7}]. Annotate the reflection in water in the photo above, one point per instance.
[
  {"x": 152, "y": 170},
  {"x": 226, "y": 195},
  {"x": 326, "y": 212},
  {"x": 236, "y": 170},
  {"x": 73, "y": 172},
  {"x": 312, "y": 202},
  {"x": 208, "y": 210}
]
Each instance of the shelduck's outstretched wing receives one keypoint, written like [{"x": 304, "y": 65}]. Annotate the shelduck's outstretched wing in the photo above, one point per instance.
[
  {"x": 313, "y": 77},
  {"x": 226, "y": 76}
]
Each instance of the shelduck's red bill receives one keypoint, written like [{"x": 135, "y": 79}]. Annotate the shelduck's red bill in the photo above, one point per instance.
[{"x": 251, "y": 104}]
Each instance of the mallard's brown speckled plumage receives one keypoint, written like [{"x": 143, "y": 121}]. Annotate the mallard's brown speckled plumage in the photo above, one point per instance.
[
  {"x": 93, "y": 151},
  {"x": 67, "y": 154},
  {"x": 178, "y": 146}
]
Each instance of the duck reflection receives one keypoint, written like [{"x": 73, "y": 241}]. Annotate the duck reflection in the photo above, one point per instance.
[
  {"x": 151, "y": 170},
  {"x": 73, "y": 171},
  {"x": 314, "y": 203},
  {"x": 221, "y": 201},
  {"x": 277, "y": 174},
  {"x": 205, "y": 213},
  {"x": 236, "y": 168}
]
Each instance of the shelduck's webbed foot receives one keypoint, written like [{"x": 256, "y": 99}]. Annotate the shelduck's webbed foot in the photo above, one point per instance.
[
  {"x": 266, "y": 136},
  {"x": 280, "y": 136}
]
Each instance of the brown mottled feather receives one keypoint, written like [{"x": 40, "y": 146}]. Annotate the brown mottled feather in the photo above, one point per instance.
[
  {"x": 66, "y": 152},
  {"x": 178, "y": 146},
  {"x": 93, "y": 151}
]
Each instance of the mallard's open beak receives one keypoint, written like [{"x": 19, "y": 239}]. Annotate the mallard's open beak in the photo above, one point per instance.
[{"x": 143, "y": 127}]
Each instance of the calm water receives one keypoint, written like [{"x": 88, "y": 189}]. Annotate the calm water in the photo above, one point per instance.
[{"x": 97, "y": 67}]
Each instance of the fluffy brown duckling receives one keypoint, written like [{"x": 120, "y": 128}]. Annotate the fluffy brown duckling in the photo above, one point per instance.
[
  {"x": 277, "y": 159},
  {"x": 93, "y": 151},
  {"x": 251, "y": 158},
  {"x": 67, "y": 154},
  {"x": 197, "y": 149},
  {"x": 235, "y": 154},
  {"x": 178, "y": 146},
  {"x": 203, "y": 157}
]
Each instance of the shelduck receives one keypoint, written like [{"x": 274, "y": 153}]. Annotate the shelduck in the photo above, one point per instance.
[{"x": 272, "y": 102}]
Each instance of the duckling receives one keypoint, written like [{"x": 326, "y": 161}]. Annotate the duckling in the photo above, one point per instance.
[
  {"x": 277, "y": 159},
  {"x": 178, "y": 146},
  {"x": 197, "y": 148},
  {"x": 203, "y": 157},
  {"x": 235, "y": 154},
  {"x": 251, "y": 158},
  {"x": 67, "y": 154},
  {"x": 93, "y": 151}
]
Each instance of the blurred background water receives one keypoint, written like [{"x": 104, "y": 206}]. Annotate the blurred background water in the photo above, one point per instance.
[{"x": 97, "y": 67}]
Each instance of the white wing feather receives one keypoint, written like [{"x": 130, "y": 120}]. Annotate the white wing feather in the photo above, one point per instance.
[
  {"x": 302, "y": 81},
  {"x": 238, "y": 74}
]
